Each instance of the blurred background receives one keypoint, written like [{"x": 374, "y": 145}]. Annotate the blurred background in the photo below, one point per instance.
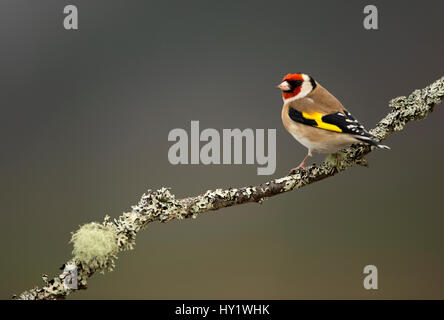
[{"x": 85, "y": 117}]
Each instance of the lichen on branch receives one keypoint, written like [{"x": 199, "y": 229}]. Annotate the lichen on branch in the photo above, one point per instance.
[{"x": 96, "y": 244}]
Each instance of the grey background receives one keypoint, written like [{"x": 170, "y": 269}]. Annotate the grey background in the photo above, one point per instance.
[{"x": 83, "y": 129}]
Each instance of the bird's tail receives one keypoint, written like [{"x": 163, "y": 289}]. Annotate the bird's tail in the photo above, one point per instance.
[{"x": 372, "y": 142}]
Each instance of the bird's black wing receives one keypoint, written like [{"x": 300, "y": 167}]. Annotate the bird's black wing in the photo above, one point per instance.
[
  {"x": 336, "y": 122},
  {"x": 347, "y": 123}
]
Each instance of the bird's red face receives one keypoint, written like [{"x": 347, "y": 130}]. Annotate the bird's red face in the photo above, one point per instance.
[{"x": 296, "y": 85}]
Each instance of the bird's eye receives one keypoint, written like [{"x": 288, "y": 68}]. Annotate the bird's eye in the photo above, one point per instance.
[{"x": 295, "y": 83}]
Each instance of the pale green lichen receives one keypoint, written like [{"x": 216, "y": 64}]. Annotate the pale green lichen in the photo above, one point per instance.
[
  {"x": 289, "y": 182},
  {"x": 282, "y": 180},
  {"x": 337, "y": 160},
  {"x": 95, "y": 247}
]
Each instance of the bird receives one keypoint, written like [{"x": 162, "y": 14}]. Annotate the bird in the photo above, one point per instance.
[{"x": 317, "y": 120}]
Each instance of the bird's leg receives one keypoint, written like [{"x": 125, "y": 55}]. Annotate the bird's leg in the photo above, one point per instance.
[{"x": 302, "y": 164}]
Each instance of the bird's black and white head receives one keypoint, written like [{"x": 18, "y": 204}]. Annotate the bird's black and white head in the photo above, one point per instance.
[{"x": 296, "y": 86}]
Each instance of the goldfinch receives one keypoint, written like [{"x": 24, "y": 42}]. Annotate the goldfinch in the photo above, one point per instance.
[{"x": 316, "y": 119}]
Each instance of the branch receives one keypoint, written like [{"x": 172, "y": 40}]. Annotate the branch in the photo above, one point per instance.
[{"x": 96, "y": 244}]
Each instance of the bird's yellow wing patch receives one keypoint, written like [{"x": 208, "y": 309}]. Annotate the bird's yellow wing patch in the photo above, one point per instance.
[{"x": 317, "y": 116}]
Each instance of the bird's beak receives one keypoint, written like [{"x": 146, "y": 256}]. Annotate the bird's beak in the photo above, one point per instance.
[{"x": 284, "y": 86}]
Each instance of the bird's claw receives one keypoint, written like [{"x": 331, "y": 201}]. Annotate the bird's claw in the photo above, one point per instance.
[{"x": 294, "y": 170}]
